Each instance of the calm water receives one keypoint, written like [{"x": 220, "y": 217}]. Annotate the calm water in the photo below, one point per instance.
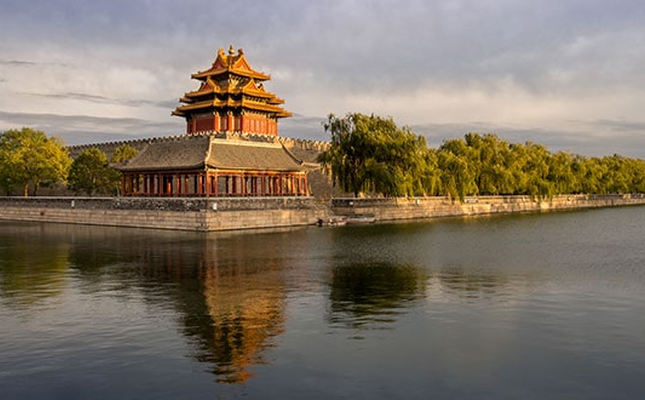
[{"x": 523, "y": 307}]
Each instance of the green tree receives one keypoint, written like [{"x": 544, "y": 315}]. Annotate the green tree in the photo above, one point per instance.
[
  {"x": 7, "y": 178},
  {"x": 489, "y": 157},
  {"x": 431, "y": 176},
  {"x": 370, "y": 154},
  {"x": 458, "y": 171},
  {"x": 28, "y": 156},
  {"x": 90, "y": 173},
  {"x": 561, "y": 173},
  {"x": 123, "y": 154}
]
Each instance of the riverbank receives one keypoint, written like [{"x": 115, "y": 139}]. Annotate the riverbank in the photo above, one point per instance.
[
  {"x": 189, "y": 214},
  {"x": 218, "y": 214},
  {"x": 433, "y": 207}
]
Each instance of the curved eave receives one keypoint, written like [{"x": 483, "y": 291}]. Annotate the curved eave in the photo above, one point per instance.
[
  {"x": 284, "y": 114},
  {"x": 279, "y": 111},
  {"x": 272, "y": 98},
  {"x": 203, "y": 75},
  {"x": 198, "y": 166},
  {"x": 254, "y": 169}
]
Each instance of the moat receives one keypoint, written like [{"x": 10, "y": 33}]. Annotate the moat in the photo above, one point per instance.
[{"x": 518, "y": 306}]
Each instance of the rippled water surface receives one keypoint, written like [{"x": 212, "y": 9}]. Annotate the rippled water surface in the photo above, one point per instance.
[{"x": 520, "y": 307}]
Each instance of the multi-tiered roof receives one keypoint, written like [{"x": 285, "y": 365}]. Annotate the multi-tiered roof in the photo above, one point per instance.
[{"x": 231, "y": 98}]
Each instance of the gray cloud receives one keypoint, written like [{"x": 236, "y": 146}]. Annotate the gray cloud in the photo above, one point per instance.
[
  {"x": 80, "y": 129},
  {"x": 16, "y": 62},
  {"x": 167, "y": 104},
  {"x": 324, "y": 53},
  {"x": 303, "y": 127}
]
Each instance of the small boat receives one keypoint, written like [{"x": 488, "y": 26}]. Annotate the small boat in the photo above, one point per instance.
[
  {"x": 361, "y": 219},
  {"x": 332, "y": 221}
]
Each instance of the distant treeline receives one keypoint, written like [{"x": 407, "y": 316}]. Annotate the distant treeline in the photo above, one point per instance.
[
  {"x": 28, "y": 158},
  {"x": 371, "y": 155}
]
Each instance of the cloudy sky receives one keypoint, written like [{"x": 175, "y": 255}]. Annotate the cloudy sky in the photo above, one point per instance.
[{"x": 569, "y": 74}]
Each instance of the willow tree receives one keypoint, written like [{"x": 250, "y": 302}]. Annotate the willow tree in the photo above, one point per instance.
[
  {"x": 28, "y": 156},
  {"x": 458, "y": 169},
  {"x": 370, "y": 154}
]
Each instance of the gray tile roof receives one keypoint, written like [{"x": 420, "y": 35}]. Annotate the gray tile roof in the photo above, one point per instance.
[
  {"x": 247, "y": 155},
  {"x": 195, "y": 152}
]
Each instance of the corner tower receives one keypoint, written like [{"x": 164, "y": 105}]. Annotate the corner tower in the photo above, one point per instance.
[{"x": 231, "y": 98}]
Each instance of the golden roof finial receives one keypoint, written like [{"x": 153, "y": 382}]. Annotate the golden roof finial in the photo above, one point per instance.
[{"x": 231, "y": 51}]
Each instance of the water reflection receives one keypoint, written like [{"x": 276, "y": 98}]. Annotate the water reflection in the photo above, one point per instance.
[
  {"x": 475, "y": 284},
  {"x": 228, "y": 295},
  {"x": 481, "y": 308},
  {"x": 246, "y": 304},
  {"x": 370, "y": 295},
  {"x": 230, "y": 308},
  {"x": 33, "y": 268}
]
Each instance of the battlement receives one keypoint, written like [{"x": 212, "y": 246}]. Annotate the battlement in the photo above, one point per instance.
[{"x": 314, "y": 147}]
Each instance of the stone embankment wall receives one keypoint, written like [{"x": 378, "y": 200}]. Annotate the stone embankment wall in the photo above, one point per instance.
[
  {"x": 215, "y": 214},
  {"x": 211, "y": 214},
  {"x": 433, "y": 207}
]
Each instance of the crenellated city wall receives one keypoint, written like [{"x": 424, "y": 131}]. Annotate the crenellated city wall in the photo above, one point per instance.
[{"x": 307, "y": 150}]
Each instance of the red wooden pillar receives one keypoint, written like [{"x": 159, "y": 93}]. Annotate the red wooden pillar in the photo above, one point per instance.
[
  {"x": 123, "y": 185},
  {"x": 229, "y": 122},
  {"x": 199, "y": 184},
  {"x": 214, "y": 184}
]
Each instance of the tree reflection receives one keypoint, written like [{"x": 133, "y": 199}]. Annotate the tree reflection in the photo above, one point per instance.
[
  {"x": 33, "y": 269},
  {"x": 366, "y": 295}
]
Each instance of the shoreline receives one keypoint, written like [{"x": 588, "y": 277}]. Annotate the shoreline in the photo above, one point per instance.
[{"x": 222, "y": 214}]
